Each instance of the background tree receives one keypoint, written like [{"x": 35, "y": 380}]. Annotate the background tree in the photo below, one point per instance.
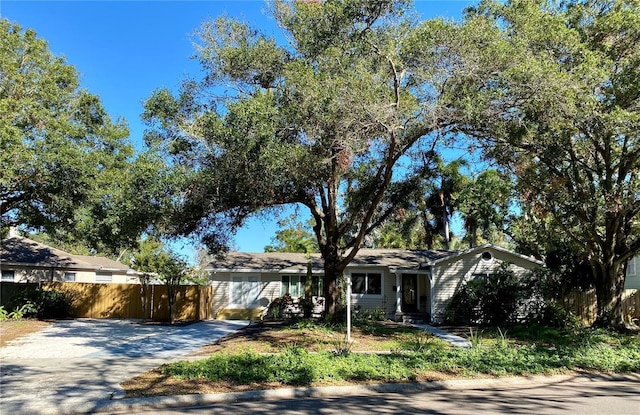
[
  {"x": 293, "y": 236},
  {"x": 484, "y": 203},
  {"x": 551, "y": 90},
  {"x": 65, "y": 167},
  {"x": 154, "y": 261},
  {"x": 322, "y": 122}
]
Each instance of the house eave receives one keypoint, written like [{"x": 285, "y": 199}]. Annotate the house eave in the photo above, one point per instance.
[{"x": 41, "y": 265}]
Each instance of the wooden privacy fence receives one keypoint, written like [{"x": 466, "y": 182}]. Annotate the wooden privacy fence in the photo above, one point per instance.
[
  {"x": 583, "y": 304},
  {"x": 193, "y": 302}
]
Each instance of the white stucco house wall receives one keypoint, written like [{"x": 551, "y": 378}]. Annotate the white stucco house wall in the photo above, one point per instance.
[{"x": 397, "y": 282}]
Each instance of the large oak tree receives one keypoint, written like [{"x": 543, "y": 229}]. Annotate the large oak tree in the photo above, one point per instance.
[
  {"x": 552, "y": 92},
  {"x": 332, "y": 119}
]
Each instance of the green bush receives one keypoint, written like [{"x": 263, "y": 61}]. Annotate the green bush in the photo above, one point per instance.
[
  {"x": 493, "y": 299},
  {"x": 41, "y": 303},
  {"x": 278, "y": 306},
  {"x": 306, "y": 304}
]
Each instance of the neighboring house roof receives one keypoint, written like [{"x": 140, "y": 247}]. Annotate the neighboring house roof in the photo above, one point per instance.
[
  {"x": 104, "y": 263},
  {"x": 19, "y": 251},
  {"x": 395, "y": 259}
]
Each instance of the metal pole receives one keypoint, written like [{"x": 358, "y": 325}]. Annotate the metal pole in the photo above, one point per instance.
[{"x": 349, "y": 308}]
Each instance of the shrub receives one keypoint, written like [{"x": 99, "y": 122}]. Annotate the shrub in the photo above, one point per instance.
[
  {"x": 493, "y": 299},
  {"x": 41, "y": 303},
  {"x": 278, "y": 306},
  {"x": 306, "y": 304},
  {"x": 376, "y": 314}
]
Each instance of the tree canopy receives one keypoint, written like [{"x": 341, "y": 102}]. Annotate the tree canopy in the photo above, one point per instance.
[
  {"x": 552, "y": 92},
  {"x": 65, "y": 166},
  {"x": 333, "y": 121}
]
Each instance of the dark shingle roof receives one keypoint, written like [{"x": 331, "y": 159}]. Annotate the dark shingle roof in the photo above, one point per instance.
[
  {"x": 17, "y": 250},
  {"x": 289, "y": 261},
  {"x": 404, "y": 259}
]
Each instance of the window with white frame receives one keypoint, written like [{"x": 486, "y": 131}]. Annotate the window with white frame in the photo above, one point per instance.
[
  {"x": 69, "y": 276},
  {"x": 632, "y": 266},
  {"x": 295, "y": 285},
  {"x": 367, "y": 283},
  {"x": 8, "y": 275},
  {"x": 245, "y": 291},
  {"x": 104, "y": 277}
]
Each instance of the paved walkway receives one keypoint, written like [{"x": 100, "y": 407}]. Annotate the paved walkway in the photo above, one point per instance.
[
  {"x": 445, "y": 335},
  {"x": 76, "y": 366}
]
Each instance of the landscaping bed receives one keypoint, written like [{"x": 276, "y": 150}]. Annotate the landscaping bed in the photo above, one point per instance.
[{"x": 273, "y": 355}]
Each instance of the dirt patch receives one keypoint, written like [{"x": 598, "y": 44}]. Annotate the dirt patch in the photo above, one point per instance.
[{"x": 13, "y": 329}]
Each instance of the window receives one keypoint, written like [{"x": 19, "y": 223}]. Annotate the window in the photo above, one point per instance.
[
  {"x": 8, "y": 275},
  {"x": 632, "y": 266},
  {"x": 69, "y": 276},
  {"x": 245, "y": 291},
  {"x": 486, "y": 256},
  {"x": 296, "y": 284},
  {"x": 103, "y": 277},
  {"x": 366, "y": 283}
]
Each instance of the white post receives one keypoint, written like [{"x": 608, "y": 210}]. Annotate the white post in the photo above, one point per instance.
[
  {"x": 398, "y": 299},
  {"x": 348, "y": 308}
]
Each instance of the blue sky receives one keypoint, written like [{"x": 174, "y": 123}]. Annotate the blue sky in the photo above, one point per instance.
[{"x": 126, "y": 49}]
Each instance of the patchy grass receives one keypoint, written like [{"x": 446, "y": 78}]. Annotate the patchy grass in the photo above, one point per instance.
[
  {"x": 13, "y": 329},
  {"x": 281, "y": 355}
]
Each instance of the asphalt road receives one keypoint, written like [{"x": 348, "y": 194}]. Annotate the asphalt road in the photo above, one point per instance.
[{"x": 574, "y": 396}]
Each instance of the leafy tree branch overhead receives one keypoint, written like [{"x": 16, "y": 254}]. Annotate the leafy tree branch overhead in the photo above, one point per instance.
[
  {"x": 322, "y": 121},
  {"x": 551, "y": 91}
]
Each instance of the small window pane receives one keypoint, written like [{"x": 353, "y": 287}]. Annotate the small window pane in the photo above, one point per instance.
[
  {"x": 294, "y": 289},
  {"x": 358, "y": 283},
  {"x": 253, "y": 291},
  {"x": 318, "y": 286},
  {"x": 69, "y": 276},
  {"x": 285, "y": 285},
  {"x": 8, "y": 275},
  {"x": 374, "y": 284},
  {"x": 236, "y": 290},
  {"x": 103, "y": 277},
  {"x": 631, "y": 267}
]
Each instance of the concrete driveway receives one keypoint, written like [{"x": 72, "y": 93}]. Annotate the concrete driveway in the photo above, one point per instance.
[{"x": 75, "y": 365}]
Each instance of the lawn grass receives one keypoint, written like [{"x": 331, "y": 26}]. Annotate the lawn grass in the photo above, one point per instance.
[{"x": 531, "y": 350}]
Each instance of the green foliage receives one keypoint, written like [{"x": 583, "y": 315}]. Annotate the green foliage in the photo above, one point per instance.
[
  {"x": 528, "y": 350},
  {"x": 492, "y": 299},
  {"x": 67, "y": 168},
  {"x": 293, "y": 237},
  {"x": 363, "y": 315},
  {"x": 550, "y": 91},
  {"x": 4, "y": 314},
  {"x": 155, "y": 261},
  {"x": 278, "y": 306},
  {"x": 39, "y": 303},
  {"x": 306, "y": 305},
  {"x": 321, "y": 123}
]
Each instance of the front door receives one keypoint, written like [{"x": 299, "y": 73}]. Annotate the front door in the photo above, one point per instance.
[{"x": 409, "y": 293}]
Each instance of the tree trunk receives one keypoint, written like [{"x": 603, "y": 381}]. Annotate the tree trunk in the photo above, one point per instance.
[
  {"x": 332, "y": 288},
  {"x": 609, "y": 281},
  {"x": 144, "y": 297},
  {"x": 171, "y": 294}
]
